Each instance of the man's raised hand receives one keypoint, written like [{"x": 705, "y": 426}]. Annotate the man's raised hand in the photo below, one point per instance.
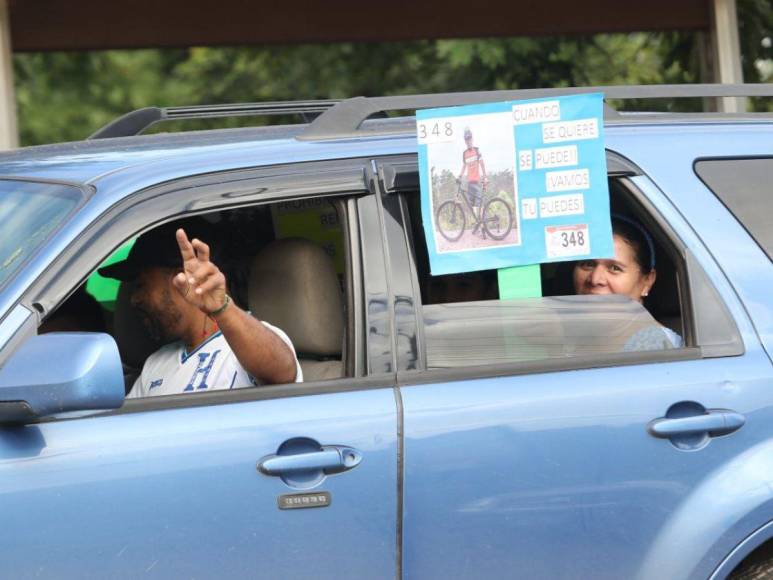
[{"x": 201, "y": 282}]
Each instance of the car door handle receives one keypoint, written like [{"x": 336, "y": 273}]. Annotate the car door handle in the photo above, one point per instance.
[
  {"x": 330, "y": 459},
  {"x": 714, "y": 422}
]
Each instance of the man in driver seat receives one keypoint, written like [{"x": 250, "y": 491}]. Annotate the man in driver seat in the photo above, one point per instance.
[{"x": 213, "y": 344}]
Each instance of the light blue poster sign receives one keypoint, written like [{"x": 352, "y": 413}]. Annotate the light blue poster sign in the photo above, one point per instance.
[{"x": 514, "y": 183}]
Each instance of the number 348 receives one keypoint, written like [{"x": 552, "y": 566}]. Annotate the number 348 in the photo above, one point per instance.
[
  {"x": 435, "y": 131},
  {"x": 572, "y": 239}
]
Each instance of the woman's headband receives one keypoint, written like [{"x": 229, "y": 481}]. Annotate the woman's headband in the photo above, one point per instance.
[{"x": 645, "y": 234}]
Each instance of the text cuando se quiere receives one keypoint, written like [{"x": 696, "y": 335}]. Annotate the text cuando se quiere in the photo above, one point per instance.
[
  {"x": 541, "y": 112},
  {"x": 570, "y": 130}
]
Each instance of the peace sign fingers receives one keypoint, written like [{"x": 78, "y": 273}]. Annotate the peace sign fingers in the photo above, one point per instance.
[
  {"x": 201, "y": 283},
  {"x": 201, "y": 249},
  {"x": 186, "y": 248}
]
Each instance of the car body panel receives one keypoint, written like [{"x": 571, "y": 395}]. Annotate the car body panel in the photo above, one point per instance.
[
  {"x": 177, "y": 493},
  {"x": 555, "y": 475},
  {"x": 743, "y": 261},
  {"x": 142, "y": 161},
  {"x": 742, "y": 550}
]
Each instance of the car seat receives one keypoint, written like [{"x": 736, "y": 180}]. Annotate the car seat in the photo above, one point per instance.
[
  {"x": 663, "y": 301},
  {"x": 293, "y": 285},
  {"x": 135, "y": 343}
]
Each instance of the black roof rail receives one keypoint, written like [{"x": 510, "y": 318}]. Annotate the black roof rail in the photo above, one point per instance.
[
  {"x": 137, "y": 121},
  {"x": 344, "y": 119}
]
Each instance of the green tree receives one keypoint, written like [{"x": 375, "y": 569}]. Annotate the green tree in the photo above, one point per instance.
[{"x": 67, "y": 96}]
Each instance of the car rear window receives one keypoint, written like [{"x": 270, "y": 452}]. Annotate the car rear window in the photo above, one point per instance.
[
  {"x": 744, "y": 186},
  {"x": 30, "y": 212}
]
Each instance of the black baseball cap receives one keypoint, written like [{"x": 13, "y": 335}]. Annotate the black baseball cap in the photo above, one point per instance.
[{"x": 156, "y": 248}]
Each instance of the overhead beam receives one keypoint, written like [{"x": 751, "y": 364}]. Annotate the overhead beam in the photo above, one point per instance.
[
  {"x": 9, "y": 138},
  {"x": 47, "y": 25}
]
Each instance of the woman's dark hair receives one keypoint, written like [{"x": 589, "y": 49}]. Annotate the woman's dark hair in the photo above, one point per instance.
[{"x": 638, "y": 238}]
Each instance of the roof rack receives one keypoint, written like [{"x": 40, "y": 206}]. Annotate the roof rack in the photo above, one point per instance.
[
  {"x": 337, "y": 119},
  {"x": 344, "y": 119},
  {"x": 137, "y": 121}
]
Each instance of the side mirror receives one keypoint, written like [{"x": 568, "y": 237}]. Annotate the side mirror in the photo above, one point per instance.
[{"x": 60, "y": 373}]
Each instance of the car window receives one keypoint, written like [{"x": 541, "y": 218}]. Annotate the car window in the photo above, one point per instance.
[
  {"x": 530, "y": 329},
  {"x": 744, "y": 186},
  {"x": 30, "y": 212},
  {"x": 267, "y": 254},
  {"x": 465, "y": 323},
  {"x": 105, "y": 290}
]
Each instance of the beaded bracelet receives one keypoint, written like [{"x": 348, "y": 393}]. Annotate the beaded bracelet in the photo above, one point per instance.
[{"x": 222, "y": 308}]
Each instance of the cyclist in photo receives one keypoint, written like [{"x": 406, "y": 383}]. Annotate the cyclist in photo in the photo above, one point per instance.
[{"x": 472, "y": 164}]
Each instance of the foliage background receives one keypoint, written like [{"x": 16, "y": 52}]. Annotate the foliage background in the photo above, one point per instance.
[{"x": 67, "y": 96}]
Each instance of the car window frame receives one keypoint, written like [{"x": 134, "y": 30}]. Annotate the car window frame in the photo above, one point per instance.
[
  {"x": 345, "y": 183},
  {"x": 696, "y": 292}
]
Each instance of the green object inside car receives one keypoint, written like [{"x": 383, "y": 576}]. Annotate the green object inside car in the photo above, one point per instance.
[
  {"x": 520, "y": 282},
  {"x": 105, "y": 290}
]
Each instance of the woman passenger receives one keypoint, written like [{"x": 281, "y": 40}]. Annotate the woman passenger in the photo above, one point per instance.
[{"x": 631, "y": 273}]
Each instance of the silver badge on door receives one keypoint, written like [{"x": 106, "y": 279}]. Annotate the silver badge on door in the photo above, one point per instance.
[{"x": 295, "y": 501}]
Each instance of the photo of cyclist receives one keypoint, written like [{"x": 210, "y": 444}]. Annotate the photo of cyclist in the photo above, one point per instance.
[
  {"x": 474, "y": 208},
  {"x": 473, "y": 165}
]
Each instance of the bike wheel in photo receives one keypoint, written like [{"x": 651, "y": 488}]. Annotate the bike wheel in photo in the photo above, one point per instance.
[
  {"x": 449, "y": 220},
  {"x": 497, "y": 218}
]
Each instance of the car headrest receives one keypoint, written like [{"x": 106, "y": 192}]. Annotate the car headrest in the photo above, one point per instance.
[{"x": 293, "y": 285}]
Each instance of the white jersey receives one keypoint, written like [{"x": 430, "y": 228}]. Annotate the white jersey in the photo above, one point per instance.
[{"x": 211, "y": 365}]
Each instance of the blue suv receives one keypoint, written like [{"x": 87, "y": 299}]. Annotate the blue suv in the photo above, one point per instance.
[{"x": 440, "y": 432}]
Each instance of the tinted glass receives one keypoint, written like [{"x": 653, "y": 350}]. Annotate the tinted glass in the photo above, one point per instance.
[
  {"x": 505, "y": 331},
  {"x": 30, "y": 212},
  {"x": 744, "y": 186}
]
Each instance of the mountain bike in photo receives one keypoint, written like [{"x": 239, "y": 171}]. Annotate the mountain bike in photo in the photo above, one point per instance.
[{"x": 495, "y": 220}]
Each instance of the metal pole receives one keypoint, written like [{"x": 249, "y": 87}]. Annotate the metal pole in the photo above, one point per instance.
[
  {"x": 727, "y": 51},
  {"x": 9, "y": 138}
]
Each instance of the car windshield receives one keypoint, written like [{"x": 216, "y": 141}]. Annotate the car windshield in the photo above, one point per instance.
[{"x": 30, "y": 212}]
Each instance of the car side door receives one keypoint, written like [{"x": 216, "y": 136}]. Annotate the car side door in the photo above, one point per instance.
[
  {"x": 173, "y": 489},
  {"x": 592, "y": 467},
  {"x": 287, "y": 481}
]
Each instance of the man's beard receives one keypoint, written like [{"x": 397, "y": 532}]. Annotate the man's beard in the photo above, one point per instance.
[{"x": 162, "y": 323}]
